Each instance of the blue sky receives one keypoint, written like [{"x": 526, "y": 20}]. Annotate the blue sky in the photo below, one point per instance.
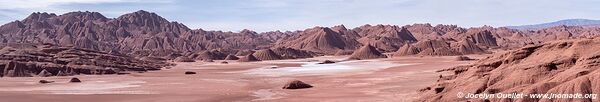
[{"x": 268, "y": 15}]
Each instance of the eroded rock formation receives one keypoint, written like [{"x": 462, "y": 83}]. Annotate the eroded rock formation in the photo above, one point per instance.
[
  {"x": 26, "y": 60},
  {"x": 558, "y": 67}
]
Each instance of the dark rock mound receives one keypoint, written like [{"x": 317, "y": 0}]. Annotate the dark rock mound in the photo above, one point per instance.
[
  {"x": 327, "y": 62},
  {"x": 296, "y": 84},
  {"x": 75, "y": 80},
  {"x": 190, "y": 72},
  {"x": 45, "y": 81}
]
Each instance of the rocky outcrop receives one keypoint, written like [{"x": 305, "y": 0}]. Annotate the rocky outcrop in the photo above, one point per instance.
[
  {"x": 366, "y": 52},
  {"x": 244, "y": 52},
  {"x": 44, "y": 73},
  {"x": 189, "y": 72},
  {"x": 16, "y": 69},
  {"x": 290, "y": 53},
  {"x": 319, "y": 39},
  {"x": 296, "y": 84},
  {"x": 466, "y": 46},
  {"x": 440, "y": 48},
  {"x": 28, "y": 60},
  {"x": 557, "y": 67},
  {"x": 267, "y": 54},
  {"x": 386, "y": 37},
  {"x": 139, "y": 33},
  {"x": 248, "y": 58},
  {"x": 435, "y": 48},
  {"x": 209, "y": 55},
  {"x": 483, "y": 38},
  {"x": 231, "y": 57},
  {"x": 145, "y": 34},
  {"x": 407, "y": 49},
  {"x": 183, "y": 59},
  {"x": 343, "y": 52},
  {"x": 62, "y": 73}
]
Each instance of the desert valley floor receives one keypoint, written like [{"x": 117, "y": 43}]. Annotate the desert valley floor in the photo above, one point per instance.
[{"x": 392, "y": 79}]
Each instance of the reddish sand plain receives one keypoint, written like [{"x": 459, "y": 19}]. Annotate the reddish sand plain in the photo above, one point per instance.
[{"x": 390, "y": 79}]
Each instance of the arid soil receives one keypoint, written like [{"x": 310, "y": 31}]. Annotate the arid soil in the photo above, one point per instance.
[
  {"x": 559, "y": 67},
  {"x": 393, "y": 79}
]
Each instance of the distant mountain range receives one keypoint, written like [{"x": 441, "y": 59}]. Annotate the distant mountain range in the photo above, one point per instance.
[
  {"x": 567, "y": 22},
  {"x": 146, "y": 34}
]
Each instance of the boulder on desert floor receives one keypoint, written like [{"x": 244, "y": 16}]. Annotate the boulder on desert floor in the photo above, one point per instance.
[
  {"x": 45, "y": 81},
  {"x": 296, "y": 84},
  {"x": 75, "y": 80},
  {"x": 190, "y": 72}
]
